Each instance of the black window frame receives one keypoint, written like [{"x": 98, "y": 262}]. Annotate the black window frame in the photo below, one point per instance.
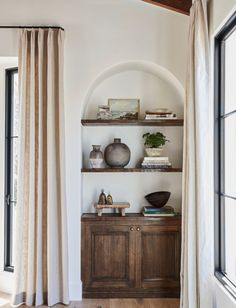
[
  {"x": 9, "y": 87},
  {"x": 219, "y": 98}
]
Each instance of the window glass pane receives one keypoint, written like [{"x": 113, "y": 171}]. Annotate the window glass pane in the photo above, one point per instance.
[
  {"x": 15, "y": 105},
  {"x": 14, "y": 145},
  {"x": 13, "y": 226},
  {"x": 230, "y": 155},
  {"x": 230, "y": 242},
  {"x": 230, "y": 73}
]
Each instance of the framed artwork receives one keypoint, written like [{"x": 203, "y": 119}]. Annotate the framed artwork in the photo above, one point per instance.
[{"x": 124, "y": 108}]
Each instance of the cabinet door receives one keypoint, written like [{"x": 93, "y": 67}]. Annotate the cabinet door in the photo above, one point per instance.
[
  {"x": 159, "y": 258},
  {"x": 108, "y": 257}
]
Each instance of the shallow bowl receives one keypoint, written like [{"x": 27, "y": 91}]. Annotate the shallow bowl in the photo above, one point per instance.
[{"x": 158, "y": 198}]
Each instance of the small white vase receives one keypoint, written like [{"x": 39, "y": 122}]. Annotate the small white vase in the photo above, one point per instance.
[
  {"x": 153, "y": 152},
  {"x": 96, "y": 157}
]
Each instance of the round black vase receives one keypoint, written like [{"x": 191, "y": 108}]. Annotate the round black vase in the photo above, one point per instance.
[{"x": 117, "y": 154}]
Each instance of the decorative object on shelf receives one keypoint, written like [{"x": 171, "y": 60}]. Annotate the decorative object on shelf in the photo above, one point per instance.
[
  {"x": 124, "y": 108},
  {"x": 160, "y": 114},
  {"x": 104, "y": 112},
  {"x": 155, "y": 162},
  {"x": 153, "y": 211},
  {"x": 154, "y": 143},
  {"x": 102, "y": 198},
  {"x": 109, "y": 199},
  {"x": 96, "y": 157},
  {"x": 153, "y": 152},
  {"x": 117, "y": 154},
  {"x": 158, "y": 199},
  {"x": 121, "y": 206}
]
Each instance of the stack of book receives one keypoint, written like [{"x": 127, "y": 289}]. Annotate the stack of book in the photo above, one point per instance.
[
  {"x": 155, "y": 162},
  {"x": 160, "y": 115},
  {"x": 153, "y": 211}
]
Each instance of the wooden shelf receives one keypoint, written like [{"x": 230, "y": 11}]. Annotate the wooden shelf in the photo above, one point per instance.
[
  {"x": 95, "y": 122},
  {"x": 130, "y": 217},
  {"x": 130, "y": 170}
]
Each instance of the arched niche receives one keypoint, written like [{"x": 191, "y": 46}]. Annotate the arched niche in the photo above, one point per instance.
[
  {"x": 152, "y": 83},
  {"x": 156, "y": 87}
]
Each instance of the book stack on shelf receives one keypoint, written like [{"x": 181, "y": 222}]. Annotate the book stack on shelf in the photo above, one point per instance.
[
  {"x": 160, "y": 114},
  {"x": 152, "y": 211},
  {"x": 155, "y": 162}
]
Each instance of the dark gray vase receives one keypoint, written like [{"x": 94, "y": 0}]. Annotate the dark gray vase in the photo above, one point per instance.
[{"x": 117, "y": 154}]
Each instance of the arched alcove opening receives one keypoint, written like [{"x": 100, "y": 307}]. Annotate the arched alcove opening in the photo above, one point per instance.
[
  {"x": 135, "y": 78},
  {"x": 156, "y": 87}
]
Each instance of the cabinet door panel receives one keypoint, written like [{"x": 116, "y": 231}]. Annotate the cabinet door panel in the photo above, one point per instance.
[
  {"x": 110, "y": 257},
  {"x": 157, "y": 255},
  {"x": 160, "y": 256}
]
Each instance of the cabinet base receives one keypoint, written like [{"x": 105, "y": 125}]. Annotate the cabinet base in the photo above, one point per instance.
[{"x": 134, "y": 294}]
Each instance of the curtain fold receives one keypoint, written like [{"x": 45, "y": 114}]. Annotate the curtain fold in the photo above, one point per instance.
[
  {"x": 197, "y": 226},
  {"x": 41, "y": 268}
]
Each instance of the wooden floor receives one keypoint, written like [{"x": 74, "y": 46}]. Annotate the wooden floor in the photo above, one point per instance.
[{"x": 108, "y": 303}]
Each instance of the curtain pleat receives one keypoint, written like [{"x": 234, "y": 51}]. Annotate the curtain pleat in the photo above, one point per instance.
[
  {"x": 41, "y": 268},
  {"x": 197, "y": 214}
]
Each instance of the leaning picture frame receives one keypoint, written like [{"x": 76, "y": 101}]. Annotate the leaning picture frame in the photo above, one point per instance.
[{"x": 122, "y": 108}]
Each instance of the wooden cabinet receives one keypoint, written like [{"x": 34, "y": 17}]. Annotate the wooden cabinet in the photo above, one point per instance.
[{"x": 131, "y": 256}]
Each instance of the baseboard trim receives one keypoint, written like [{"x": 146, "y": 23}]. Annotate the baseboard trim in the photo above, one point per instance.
[{"x": 75, "y": 291}]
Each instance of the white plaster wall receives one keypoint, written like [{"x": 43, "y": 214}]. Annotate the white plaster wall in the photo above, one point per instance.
[
  {"x": 219, "y": 12},
  {"x": 99, "y": 34}
]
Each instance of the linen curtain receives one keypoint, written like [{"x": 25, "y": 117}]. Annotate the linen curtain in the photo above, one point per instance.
[
  {"x": 41, "y": 229},
  {"x": 197, "y": 226}
]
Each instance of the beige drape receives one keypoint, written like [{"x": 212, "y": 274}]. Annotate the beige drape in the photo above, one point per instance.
[
  {"x": 197, "y": 230},
  {"x": 41, "y": 268}
]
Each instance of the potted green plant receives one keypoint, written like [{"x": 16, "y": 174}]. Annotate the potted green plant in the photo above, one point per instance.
[{"x": 153, "y": 143}]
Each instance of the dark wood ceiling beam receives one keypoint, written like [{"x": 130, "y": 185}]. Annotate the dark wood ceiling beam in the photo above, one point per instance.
[{"x": 180, "y": 6}]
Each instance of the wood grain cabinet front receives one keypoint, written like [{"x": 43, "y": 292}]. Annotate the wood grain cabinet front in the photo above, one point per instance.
[{"x": 131, "y": 256}]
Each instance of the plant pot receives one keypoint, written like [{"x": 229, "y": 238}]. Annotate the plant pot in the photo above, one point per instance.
[{"x": 153, "y": 152}]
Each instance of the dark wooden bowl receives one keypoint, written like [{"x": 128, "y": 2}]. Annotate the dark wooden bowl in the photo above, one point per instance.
[{"x": 158, "y": 198}]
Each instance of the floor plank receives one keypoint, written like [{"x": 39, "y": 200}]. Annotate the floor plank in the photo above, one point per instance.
[{"x": 108, "y": 303}]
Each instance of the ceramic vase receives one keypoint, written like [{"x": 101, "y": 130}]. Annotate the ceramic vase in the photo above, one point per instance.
[
  {"x": 96, "y": 157},
  {"x": 117, "y": 154}
]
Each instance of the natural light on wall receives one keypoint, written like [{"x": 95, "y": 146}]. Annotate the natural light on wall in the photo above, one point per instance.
[{"x": 230, "y": 161}]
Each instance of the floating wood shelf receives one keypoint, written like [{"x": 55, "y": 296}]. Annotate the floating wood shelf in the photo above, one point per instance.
[
  {"x": 130, "y": 170},
  {"x": 95, "y": 122}
]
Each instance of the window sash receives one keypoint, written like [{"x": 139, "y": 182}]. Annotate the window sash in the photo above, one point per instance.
[
  {"x": 219, "y": 159},
  {"x": 9, "y": 204}
]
